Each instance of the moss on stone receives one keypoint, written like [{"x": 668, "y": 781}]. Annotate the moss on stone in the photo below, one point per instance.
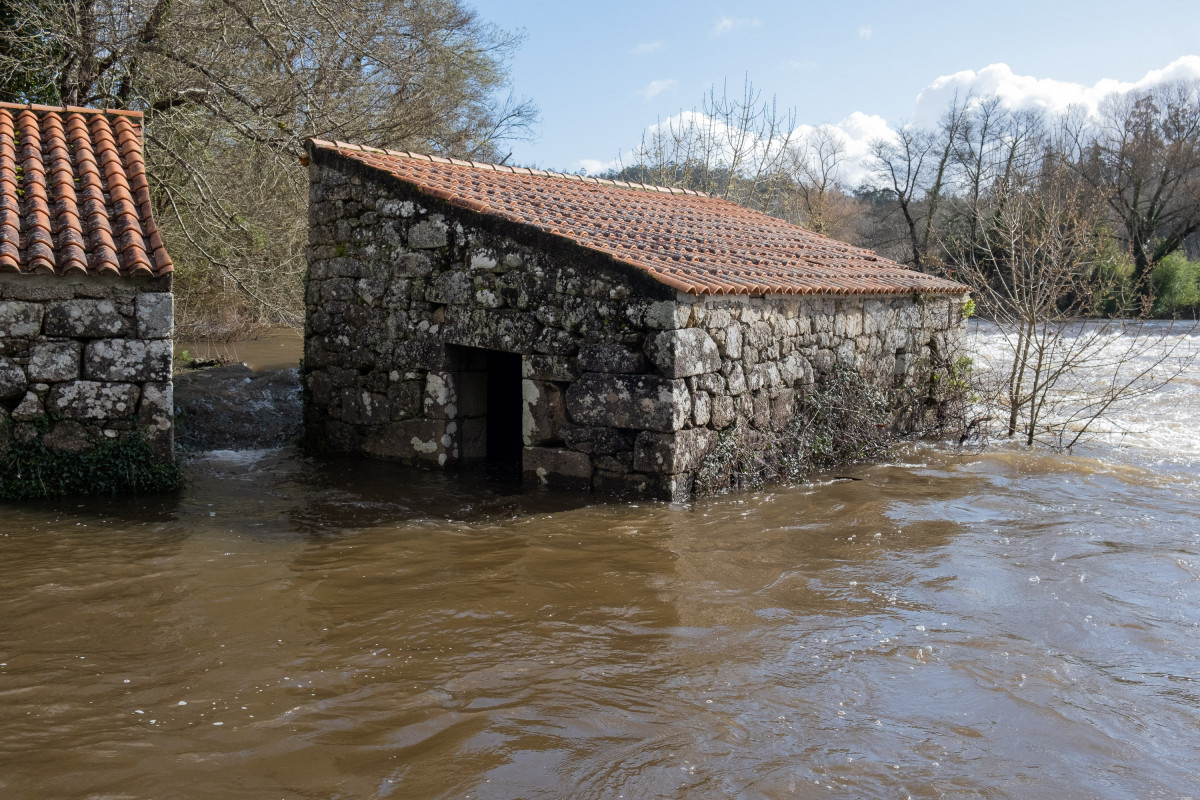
[{"x": 128, "y": 465}]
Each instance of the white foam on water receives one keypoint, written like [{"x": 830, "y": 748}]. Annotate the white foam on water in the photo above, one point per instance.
[
  {"x": 1163, "y": 425},
  {"x": 241, "y": 458}
]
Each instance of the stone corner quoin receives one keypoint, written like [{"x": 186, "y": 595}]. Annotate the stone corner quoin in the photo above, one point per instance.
[
  {"x": 85, "y": 360},
  {"x": 623, "y": 384}
]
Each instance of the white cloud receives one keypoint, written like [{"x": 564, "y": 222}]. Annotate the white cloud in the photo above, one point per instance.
[
  {"x": 864, "y": 33},
  {"x": 593, "y": 166},
  {"x": 728, "y": 25},
  {"x": 655, "y": 88},
  {"x": 856, "y": 133},
  {"x": 696, "y": 126},
  {"x": 1026, "y": 91},
  {"x": 859, "y": 130},
  {"x": 645, "y": 48}
]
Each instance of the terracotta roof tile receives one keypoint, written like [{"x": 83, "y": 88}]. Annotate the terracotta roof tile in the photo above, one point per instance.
[
  {"x": 74, "y": 198},
  {"x": 682, "y": 238}
]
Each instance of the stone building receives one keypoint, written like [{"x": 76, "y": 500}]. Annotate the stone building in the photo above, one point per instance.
[
  {"x": 593, "y": 334},
  {"x": 86, "y": 313}
]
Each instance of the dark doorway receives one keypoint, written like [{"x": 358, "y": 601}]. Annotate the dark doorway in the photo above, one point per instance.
[
  {"x": 489, "y": 410},
  {"x": 504, "y": 440}
]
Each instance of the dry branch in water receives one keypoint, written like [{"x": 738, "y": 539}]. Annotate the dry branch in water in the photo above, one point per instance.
[{"x": 1031, "y": 249}]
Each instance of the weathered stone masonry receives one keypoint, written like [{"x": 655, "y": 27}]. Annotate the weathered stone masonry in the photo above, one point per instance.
[
  {"x": 624, "y": 382},
  {"x": 85, "y": 359}
]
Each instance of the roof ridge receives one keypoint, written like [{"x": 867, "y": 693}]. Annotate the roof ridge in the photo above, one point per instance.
[
  {"x": 545, "y": 173},
  {"x": 39, "y": 108}
]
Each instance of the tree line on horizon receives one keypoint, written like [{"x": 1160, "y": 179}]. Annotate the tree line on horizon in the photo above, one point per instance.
[{"x": 1011, "y": 202}]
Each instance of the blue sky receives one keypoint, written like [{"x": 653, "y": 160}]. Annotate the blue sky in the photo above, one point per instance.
[{"x": 602, "y": 72}]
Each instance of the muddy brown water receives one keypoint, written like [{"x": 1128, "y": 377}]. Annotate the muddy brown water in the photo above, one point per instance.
[
  {"x": 1000, "y": 624},
  {"x": 277, "y": 348}
]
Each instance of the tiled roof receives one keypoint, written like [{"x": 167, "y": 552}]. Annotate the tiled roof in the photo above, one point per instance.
[
  {"x": 73, "y": 193},
  {"x": 687, "y": 240}
]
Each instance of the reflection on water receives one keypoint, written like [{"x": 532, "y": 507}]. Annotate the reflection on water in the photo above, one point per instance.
[{"x": 996, "y": 625}]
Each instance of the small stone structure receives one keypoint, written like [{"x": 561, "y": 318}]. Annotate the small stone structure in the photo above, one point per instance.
[
  {"x": 593, "y": 334},
  {"x": 86, "y": 310}
]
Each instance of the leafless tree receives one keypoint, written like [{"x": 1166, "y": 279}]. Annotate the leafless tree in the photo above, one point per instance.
[
  {"x": 1000, "y": 199},
  {"x": 916, "y": 166},
  {"x": 733, "y": 146},
  {"x": 902, "y": 164},
  {"x": 1032, "y": 268},
  {"x": 230, "y": 88},
  {"x": 1143, "y": 158},
  {"x": 814, "y": 164}
]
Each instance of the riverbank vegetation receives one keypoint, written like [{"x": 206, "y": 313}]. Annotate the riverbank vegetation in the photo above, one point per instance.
[
  {"x": 231, "y": 90},
  {"x": 98, "y": 465},
  {"x": 1048, "y": 219},
  {"x": 841, "y": 420}
]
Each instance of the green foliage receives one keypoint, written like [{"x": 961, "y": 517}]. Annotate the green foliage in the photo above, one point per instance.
[
  {"x": 968, "y": 308},
  {"x": 955, "y": 379},
  {"x": 112, "y": 466},
  {"x": 230, "y": 90},
  {"x": 1115, "y": 293},
  {"x": 1176, "y": 282}
]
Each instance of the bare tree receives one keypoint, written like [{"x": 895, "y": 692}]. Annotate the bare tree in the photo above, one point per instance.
[
  {"x": 974, "y": 156},
  {"x": 1143, "y": 159},
  {"x": 1033, "y": 269},
  {"x": 814, "y": 166},
  {"x": 915, "y": 167},
  {"x": 230, "y": 88},
  {"x": 902, "y": 164},
  {"x": 733, "y": 146},
  {"x": 992, "y": 197}
]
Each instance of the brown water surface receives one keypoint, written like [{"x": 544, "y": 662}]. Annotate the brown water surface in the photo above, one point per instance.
[
  {"x": 1006, "y": 625},
  {"x": 278, "y": 348}
]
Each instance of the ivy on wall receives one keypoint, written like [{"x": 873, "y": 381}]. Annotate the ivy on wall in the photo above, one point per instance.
[{"x": 111, "y": 466}]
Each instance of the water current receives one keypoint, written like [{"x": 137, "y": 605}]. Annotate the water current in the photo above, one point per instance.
[{"x": 995, "y": 623}]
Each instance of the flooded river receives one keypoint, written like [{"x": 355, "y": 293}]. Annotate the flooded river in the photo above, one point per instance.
[{"x": 999, "y": 624}]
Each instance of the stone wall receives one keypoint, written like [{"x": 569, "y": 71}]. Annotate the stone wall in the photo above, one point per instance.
[
  {"x": 625, "y": 382},
  {"x": 85, "y": 360}
]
